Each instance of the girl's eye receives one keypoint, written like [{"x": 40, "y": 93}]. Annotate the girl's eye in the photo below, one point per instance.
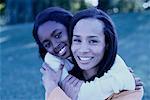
[
  {"x": 47, "y": 45},
  {"x": 93, "y": 41},
  {"x": 58, "y": 35}
]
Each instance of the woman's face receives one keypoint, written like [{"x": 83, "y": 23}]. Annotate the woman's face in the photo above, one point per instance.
[
  {"x": 88, "y": 43},
  {"x": 54, "y": 38}
]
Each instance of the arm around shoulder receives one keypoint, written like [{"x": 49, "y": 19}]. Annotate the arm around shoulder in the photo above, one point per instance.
[
  {"x": 57, "y": 94},
  {"x": 128, "y": 95}
]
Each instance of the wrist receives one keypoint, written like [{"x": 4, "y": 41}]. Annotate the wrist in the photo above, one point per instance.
[{"x": 51, "y": 87}]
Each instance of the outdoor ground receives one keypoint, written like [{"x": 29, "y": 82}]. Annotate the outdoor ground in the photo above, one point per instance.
[{"x": 20, "y": 78}]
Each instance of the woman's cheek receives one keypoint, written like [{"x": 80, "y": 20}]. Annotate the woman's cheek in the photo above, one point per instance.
[{"x": 73, "y": 48}]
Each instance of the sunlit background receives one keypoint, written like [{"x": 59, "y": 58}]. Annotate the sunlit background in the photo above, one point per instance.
[{"x": 20, "y": 78}]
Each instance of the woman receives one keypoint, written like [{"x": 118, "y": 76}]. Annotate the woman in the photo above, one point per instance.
[{"x": 94, "y": 49}]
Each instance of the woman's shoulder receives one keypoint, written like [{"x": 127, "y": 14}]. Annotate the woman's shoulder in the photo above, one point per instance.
[{"x": 128, "y": 95}]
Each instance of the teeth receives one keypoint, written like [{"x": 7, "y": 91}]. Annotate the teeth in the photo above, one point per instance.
[
  {"x": 85, "y": 58},
  {"x": 62, "y": 51}
]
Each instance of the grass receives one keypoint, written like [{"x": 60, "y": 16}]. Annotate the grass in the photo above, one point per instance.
[{"x": 20, "y": 78}]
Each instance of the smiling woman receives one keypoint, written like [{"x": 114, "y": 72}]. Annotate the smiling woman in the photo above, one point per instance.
[
  {"x": 88, "y": 44},
  {"x": 94, "y": 50}
]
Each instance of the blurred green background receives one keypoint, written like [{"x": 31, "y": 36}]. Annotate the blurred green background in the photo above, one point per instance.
[{"x": 20, "y": 78}]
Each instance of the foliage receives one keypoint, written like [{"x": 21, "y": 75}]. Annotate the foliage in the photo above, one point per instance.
[
  {"x": 115, "y": 6},
  {"x": 20, "y": 11},
  {"x": 39, "y": 5},
  {"x": 2, "y": 7}
]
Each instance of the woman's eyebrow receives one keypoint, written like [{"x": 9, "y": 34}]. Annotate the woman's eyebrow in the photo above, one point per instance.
[
  {"x": 76, "y": 35},
  {"x": 92, "y": 36}
]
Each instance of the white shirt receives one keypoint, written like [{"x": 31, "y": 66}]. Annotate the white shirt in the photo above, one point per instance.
[{"x": 116, "y": 79}]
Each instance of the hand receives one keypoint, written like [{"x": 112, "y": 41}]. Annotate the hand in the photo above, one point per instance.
[
  {"x": 138, "y": 82},
  {"x": 55, "y": 76},
  {"x": 131, "y": 70},
  {"x": 50, "y": 78},
  {"x": 71, "y": 86}
]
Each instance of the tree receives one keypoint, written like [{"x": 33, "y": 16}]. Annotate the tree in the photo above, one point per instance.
[
  {"x": 114, "y": 6},
  {"x": 18, "y": 11}
]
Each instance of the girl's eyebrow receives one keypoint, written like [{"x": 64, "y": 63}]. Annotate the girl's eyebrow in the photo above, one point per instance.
[
  {"x": 53, "y": 32},
  {"x": 44, "y": 41}
]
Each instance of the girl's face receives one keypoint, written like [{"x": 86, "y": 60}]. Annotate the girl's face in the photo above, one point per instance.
[
  {"x": 54, "y": 38},
  {"x": 88, "y": 43}
]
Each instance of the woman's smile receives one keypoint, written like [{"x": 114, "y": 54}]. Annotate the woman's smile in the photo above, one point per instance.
[
  {"x": 88, "y": 43},
  {"x": 85, "y": 59}
]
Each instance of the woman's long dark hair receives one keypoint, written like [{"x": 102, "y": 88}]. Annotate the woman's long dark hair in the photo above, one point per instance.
[
  {"x": 57, "y": 14},
  {"x": 110, "y": 39}
]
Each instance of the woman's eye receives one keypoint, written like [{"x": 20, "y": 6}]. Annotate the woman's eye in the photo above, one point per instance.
[
  {"x": 58, "y": 35},
  {"x": 93, "y": 41},
  {"x": 76, "y": 40}
]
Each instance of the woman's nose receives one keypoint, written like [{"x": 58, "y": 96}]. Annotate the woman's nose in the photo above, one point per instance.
[{"x": 84, "y": 48}]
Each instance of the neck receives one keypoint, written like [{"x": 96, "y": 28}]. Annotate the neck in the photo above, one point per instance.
[{"x": 90, "y": 73}]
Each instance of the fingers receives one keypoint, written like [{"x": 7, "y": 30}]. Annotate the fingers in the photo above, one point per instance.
[
  {"x": 46, "y": 66},
  {"x": 42, "y": 70},
  {"x": 61, "y": 66},
  {"x": 138, "y": 81},
  {"x": 58, "y": 75},
  {"x": 72, "y": 81},
  {"x": 130, "y": 69},
  {"x": 71, "y": 86},
  {"x": 79, "y": 84},
  {"x": 67, "y": 78},
  {"x": 59, "y": 72},
  {"x": 75, "y": 82},
  {"x": 43, "y": 78}
]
